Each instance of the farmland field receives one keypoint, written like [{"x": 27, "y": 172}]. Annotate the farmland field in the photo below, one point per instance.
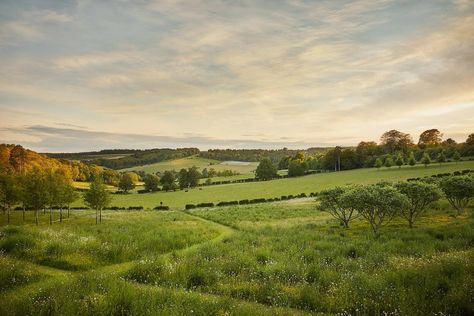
[
  {"x": 277, "y": 188},
  {"x": 282, "y": 258},
  {"x": 244, "y": 168}
]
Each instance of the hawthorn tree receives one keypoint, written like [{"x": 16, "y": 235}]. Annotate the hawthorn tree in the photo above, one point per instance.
[
  {"x": 265, "y": 170},
  {"x": 97, "y": 198},
  {"x": 426, "y": 160},
  {"x": 411, "y": 159},
  {"x": 420, "y": 195},
  {"x": 151, "y": 182},
  {"x": 441, "y": 157},
  {"x": 126, "y": 182},
  {"x": 378, "y": 204},
  {"x": 459, "y": 190},
  {"x": 330, "y": 202},
  {"x": 399, "y": 162}
]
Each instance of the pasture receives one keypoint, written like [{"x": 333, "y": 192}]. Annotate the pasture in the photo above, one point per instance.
[
  {"x": 245, "y": 168},
  {"x": 283, "y": 258},
  {"x": 277, "y": 188}
]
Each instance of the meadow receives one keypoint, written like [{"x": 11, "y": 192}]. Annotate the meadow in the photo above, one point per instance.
[
  {"x": 283, "y": 258},
  {"x": 277, "y": 188},
  {"x": 201, "y": 163}
]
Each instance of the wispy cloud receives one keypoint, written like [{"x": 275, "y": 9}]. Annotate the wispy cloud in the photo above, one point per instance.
[{"x": 306, "y": 72}]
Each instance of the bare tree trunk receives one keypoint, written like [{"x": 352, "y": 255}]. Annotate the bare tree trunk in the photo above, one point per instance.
[
  {"x": 68, "y": 211},
  {"x": 96, "y": 215},
  {"x": 61, "y": 215},
  {"x": 8, "y": 211},
  {"x": 50, "y": 215},
  {"x": 100, "y": 215},
  {"x": 36, "y": 217},
  {"x": 23, "y": 213}
]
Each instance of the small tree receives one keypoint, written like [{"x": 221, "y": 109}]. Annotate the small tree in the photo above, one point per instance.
[
  {"x": 399, "y": 160},
  {"x": 296, "y": 168},
  {"x": 388, "y": 162},
  {"x": 378, "y": 163},
  {"x": 9, "y": 193},
  {"x": 168, "y": 180},
  {"x": 36, "y": 191},
  {"x": 420, "y": 195},
  {"x": 441, "y": 157},
  {"x": 411, "y": 159},
  {"x": 456, "y": 156},
  {"x": 265, "y": 170},
  {"x": 330, "y": 202},
  {"x": 126, "y": 182},
  {"x": 426, "y": 160},
  {"x": 151, "y": 182},
  {"x": 193, "y": 177},
  {"x": 458, "y": 191},
  {"x": 183, "y": 178},
  {"x": 97, "y": 197},
  {"x": 69, "y": 195},
  {"x": 378, "y": 204}
]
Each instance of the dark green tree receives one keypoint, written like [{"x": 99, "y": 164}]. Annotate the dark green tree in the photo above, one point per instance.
[
  {"x": 378, "y": 163},
  {"x": 459, "y": 190},
  {"x": 399, "y": 162},
  {"x": 151, "y": 182},
  {"x": 97, "y": 198},
  {"x": 411, "y": 159},
  {"x": 426, "y": 160},
  {"x": 420, "y": 195},
  {"x": 167, "y": 180},
  {"x": 126, "y": 182},
  {"x": 265, "y": 170}
]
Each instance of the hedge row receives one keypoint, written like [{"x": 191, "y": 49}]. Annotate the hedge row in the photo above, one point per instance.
[
  {"x": 442, "y": 175},
  {"x": 251, "y": 201}
]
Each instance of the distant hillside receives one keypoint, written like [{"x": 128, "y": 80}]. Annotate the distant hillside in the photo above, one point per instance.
[{"x": 255, "y": 155}]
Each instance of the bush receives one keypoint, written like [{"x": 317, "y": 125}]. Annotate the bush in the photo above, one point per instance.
[
  {"x": 189, "y": 206},
  {"x": 135, "y": 208},
  {"x": 205, "y": 205},
  {"x": 161, "y": 208},
  {"x": 227, "y": 203},
  {"x": 243, "y": 202},
  {"x": 261, "y": 200}
]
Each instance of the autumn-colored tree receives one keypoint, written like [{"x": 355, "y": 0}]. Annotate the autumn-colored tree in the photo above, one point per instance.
[
  {"x": 430, "y": 137},
  {"x": 394, "y": 140}
]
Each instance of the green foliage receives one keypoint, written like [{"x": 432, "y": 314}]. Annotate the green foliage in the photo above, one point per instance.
[
  {"x": 441, "y": 157},
  {"x": 296, "y": 168},
  {"x": 151, "y": 182},
  {"x": 459, "y": 190},
  {"x": 97, "y": 197},
  {"x": 456, "y": 156},
  {"x": 411, "y": 159},
  {"x": 378, "y": 163},
  {"x": 375, "y": 203},
  {"x": 167, "y": 180},
  {"x": 425, "y": 160},
  {"x": 388, "y": 162},
  {"x": 330, "y": 201},
  {"x": 265, "y": 170},
  {"x": 126, "y": 182},
  {"x": 420, "y": 195},
  {"x": 399, "y": 162}
]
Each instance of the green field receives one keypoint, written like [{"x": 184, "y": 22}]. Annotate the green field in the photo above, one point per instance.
[
  {"x": 282, "y": 258},
  {"x": 277, "y": 188},
  {"x": 201, "y": 163}
]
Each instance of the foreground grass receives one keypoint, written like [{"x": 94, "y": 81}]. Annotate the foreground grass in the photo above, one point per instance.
[
  {"x": 281, "y": 258},
  {"x": 277, "y": 188}
]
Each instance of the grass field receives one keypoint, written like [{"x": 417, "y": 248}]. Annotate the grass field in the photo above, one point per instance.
[
  {"x": 282, "y": 258},
  {"x": 201, "y": 163},
  {"x": 277, "y": 188}
]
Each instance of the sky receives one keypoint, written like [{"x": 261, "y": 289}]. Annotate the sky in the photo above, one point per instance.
[{"x": 89, "y": 75}]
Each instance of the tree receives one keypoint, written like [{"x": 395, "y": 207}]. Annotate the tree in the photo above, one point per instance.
[
  {"x": 97, "y": 198},
  {"x": 426, "y": 160},
  {"x": 36, "y": 191},
  {"x": 183, "y": 178},
  {"x": 168, "y": 181},
  {"x": 470, "y": 140},
  {"x": 411, "y": 159},
  {"x": 420, "y": 195},
  {"x": 456, "y": 156},
  {"x": 399, "y": 162},
  {"x": 330, "y": 202},
  {"x": 431, "y": 137},
  {"x": 18, "y": 158},
  {"x": 193, "y": 176},
  {"x": 458, "y": 191},
  {"x": 151, "y": 182},
  {"x": 296, "y": 168},
  {"x": 68, "y": 196},
  {"x": 9, "y": 193},
  {"x": 394, "y": 140},
  {"x": 126, "y": 182},
  {"x": 265, "y": 170},
  {"x": 378, "y": 204},
  {"x": 378, "y": 163},
  {"x": 441, "y": 157},
  {"x": 388, "y": 162},
  {"x": 205, "y": 173}
]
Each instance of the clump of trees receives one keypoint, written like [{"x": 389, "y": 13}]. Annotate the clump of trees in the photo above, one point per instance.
[
  {"x": 266, "y": 170},
  {"x": 380, "y": 203},
  {"x": 188, "y": 178}
]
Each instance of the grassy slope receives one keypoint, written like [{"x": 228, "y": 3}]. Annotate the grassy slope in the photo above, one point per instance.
[
  {"x": 276, "y": 188},
  {"x": 188, "y": 162}
]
